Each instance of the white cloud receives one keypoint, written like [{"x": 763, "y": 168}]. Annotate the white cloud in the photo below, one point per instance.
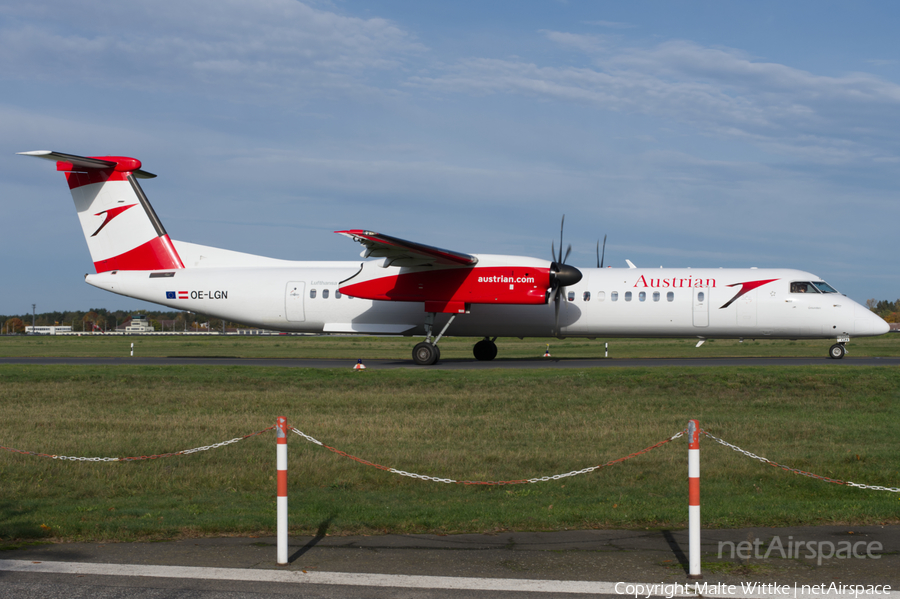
[
  {"x": 718, "y": 91},
  {"x": 201, "y": 46}
]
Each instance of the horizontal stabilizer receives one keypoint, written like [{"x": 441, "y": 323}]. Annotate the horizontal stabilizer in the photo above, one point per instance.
[{"x": 71, "y": 162}]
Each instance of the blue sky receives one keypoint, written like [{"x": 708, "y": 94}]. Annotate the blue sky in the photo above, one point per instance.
[{"x": 729, "y": 134}]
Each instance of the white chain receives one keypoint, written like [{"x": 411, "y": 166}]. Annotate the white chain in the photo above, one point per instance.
[
  {"x": 422, "y": 476},
  {"x": 467, "y": 482},
  {"x": 305, "y": 436},
  {"x": 134, "y": 459},
  {"x": 797, "y": 471},
  {"x": 559, "y": 476}
]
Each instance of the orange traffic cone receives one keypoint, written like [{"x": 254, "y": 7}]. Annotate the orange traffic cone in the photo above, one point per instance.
[
  {"x": 359, "y": 365},
  {"x": 547, "y": 353}
]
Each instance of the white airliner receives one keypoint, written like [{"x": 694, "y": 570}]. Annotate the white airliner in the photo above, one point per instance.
[{"x": 414, "y": 289}]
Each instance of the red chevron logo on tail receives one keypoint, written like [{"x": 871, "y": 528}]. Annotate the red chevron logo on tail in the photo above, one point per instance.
[{"x": 111, "y": 214}]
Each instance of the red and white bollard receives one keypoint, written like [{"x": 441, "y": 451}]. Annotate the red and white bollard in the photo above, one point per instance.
[
  {"x": 694, "y": 499},
  {"x": 281, "y": 525}
]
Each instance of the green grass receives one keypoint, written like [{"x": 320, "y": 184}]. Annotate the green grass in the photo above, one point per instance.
[
  {"x": 400, "y": 348},
  {"x": 476, "y": 425}
]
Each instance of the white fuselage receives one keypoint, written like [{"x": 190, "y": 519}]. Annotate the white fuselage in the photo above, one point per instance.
[{"x": 305, "y": 297}]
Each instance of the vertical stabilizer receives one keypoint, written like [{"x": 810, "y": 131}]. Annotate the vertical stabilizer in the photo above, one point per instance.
[{"x": 121, "y": 229}]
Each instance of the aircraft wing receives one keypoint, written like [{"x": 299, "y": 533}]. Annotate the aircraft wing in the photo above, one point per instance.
[{"x": 399, "y": 252}]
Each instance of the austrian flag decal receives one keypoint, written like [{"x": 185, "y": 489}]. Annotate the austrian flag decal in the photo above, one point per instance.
[
  {"x": 181, "y": 294},
  {"x": 745, "y": 288}
]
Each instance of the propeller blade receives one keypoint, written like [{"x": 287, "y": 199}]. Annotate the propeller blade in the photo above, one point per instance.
[
  {"x": 561, "y": 225},
  {"x": 598, "y": 254},
  {"x": 556, "y": 312},
  {"x": 568, "y": 251},
  {"x": 604, "y": 251},
  {"x": 552, "y": 252}
]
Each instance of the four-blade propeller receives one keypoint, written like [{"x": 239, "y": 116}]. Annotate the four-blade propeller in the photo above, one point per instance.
[{"x": 561, "y": 274}]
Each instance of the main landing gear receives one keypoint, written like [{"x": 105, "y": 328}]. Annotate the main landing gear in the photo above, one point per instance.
[
  {"x": 427, "y": 352},
  {"x": 485, "y": 350}
]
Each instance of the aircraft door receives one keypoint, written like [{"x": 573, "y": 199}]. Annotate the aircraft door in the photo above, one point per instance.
[
  {"x": 701, "y": 307},
  {"x": 294, "y": 293}
]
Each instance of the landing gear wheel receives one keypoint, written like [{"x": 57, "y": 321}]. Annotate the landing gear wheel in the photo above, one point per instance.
[
  {"x": 426, "y": 354},
  {"x": 837, "y": 351},
  {"x": 485, "y": 350}
]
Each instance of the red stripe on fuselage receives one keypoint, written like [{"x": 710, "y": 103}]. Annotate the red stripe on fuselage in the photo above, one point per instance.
[{"x": 157, "y": 254}]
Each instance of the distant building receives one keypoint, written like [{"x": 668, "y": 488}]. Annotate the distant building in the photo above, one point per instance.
[
  {"x": 51, "y": 330},
  {"x": 138, "y": 324}
]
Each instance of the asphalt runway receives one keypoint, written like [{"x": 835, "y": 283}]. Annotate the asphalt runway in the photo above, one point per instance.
[
  {"x": 466, "y": 364},
  {"x": 593, "y": 563}
]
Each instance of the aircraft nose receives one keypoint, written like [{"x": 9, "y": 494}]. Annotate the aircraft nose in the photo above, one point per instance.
[
  {"x": 881, "y": 326},
  {"x": 868, "y": 323}
]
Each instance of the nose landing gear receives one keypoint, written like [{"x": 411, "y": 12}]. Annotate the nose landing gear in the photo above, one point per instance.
[{"x": 837, "y": 351}]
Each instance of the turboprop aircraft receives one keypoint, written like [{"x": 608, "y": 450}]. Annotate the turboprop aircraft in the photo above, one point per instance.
[{"x": 412, "y": 289}]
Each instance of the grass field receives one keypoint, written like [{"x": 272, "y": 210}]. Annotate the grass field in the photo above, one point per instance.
[
  {"x": 400, "y": 348},
  {"x": 475, "y": 425}
]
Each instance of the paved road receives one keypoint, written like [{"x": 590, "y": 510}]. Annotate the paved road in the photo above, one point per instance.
[
  {"x": 467, "y": 364},
  {"x": 564, "y": 564}
]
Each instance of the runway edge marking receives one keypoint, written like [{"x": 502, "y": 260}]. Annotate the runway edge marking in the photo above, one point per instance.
[{"x": 354, "y": 579}]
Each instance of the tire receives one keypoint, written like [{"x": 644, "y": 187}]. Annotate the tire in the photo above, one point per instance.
[
  {"x": 425, "y": 354},
  {"x": 485, "y": 350},
  {"x": 837, "y": 351}
]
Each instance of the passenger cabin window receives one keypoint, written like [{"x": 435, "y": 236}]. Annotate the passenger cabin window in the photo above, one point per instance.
[
  {"x": 571, "y": 296},
  {"x": 701, "y": 296},
  {"x": 587, "y": 296},
  {"x": 601, "y": 295},
  {"x": 803, "y": 287},
  {"x": 627, "y": 296},
  {"x": 312, "y": 294},
  {"x": 324, "y": 294},
  {"x": 337, "y": 294},
  {"x": 656, "y": 296},
  {"x": 642, "y": 296},
  {"x": 670, "y": 296},
  {"x": 614, "y": 296}
]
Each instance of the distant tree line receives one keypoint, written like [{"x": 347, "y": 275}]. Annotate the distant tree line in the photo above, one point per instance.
[
  {"x": 101, "y": 319},
  {"x": 890, "y": 311}
]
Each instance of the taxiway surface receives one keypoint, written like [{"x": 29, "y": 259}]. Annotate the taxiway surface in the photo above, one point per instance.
[{"x": 466, "y": 364}]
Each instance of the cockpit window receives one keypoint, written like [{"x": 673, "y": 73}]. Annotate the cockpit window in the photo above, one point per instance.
[
  {"x": 803, "y": 287},
  {"x": 824, "y": 287}
]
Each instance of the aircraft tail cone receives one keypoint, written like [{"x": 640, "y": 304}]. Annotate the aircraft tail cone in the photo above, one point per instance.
[{"x": 359, "y": 365}]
